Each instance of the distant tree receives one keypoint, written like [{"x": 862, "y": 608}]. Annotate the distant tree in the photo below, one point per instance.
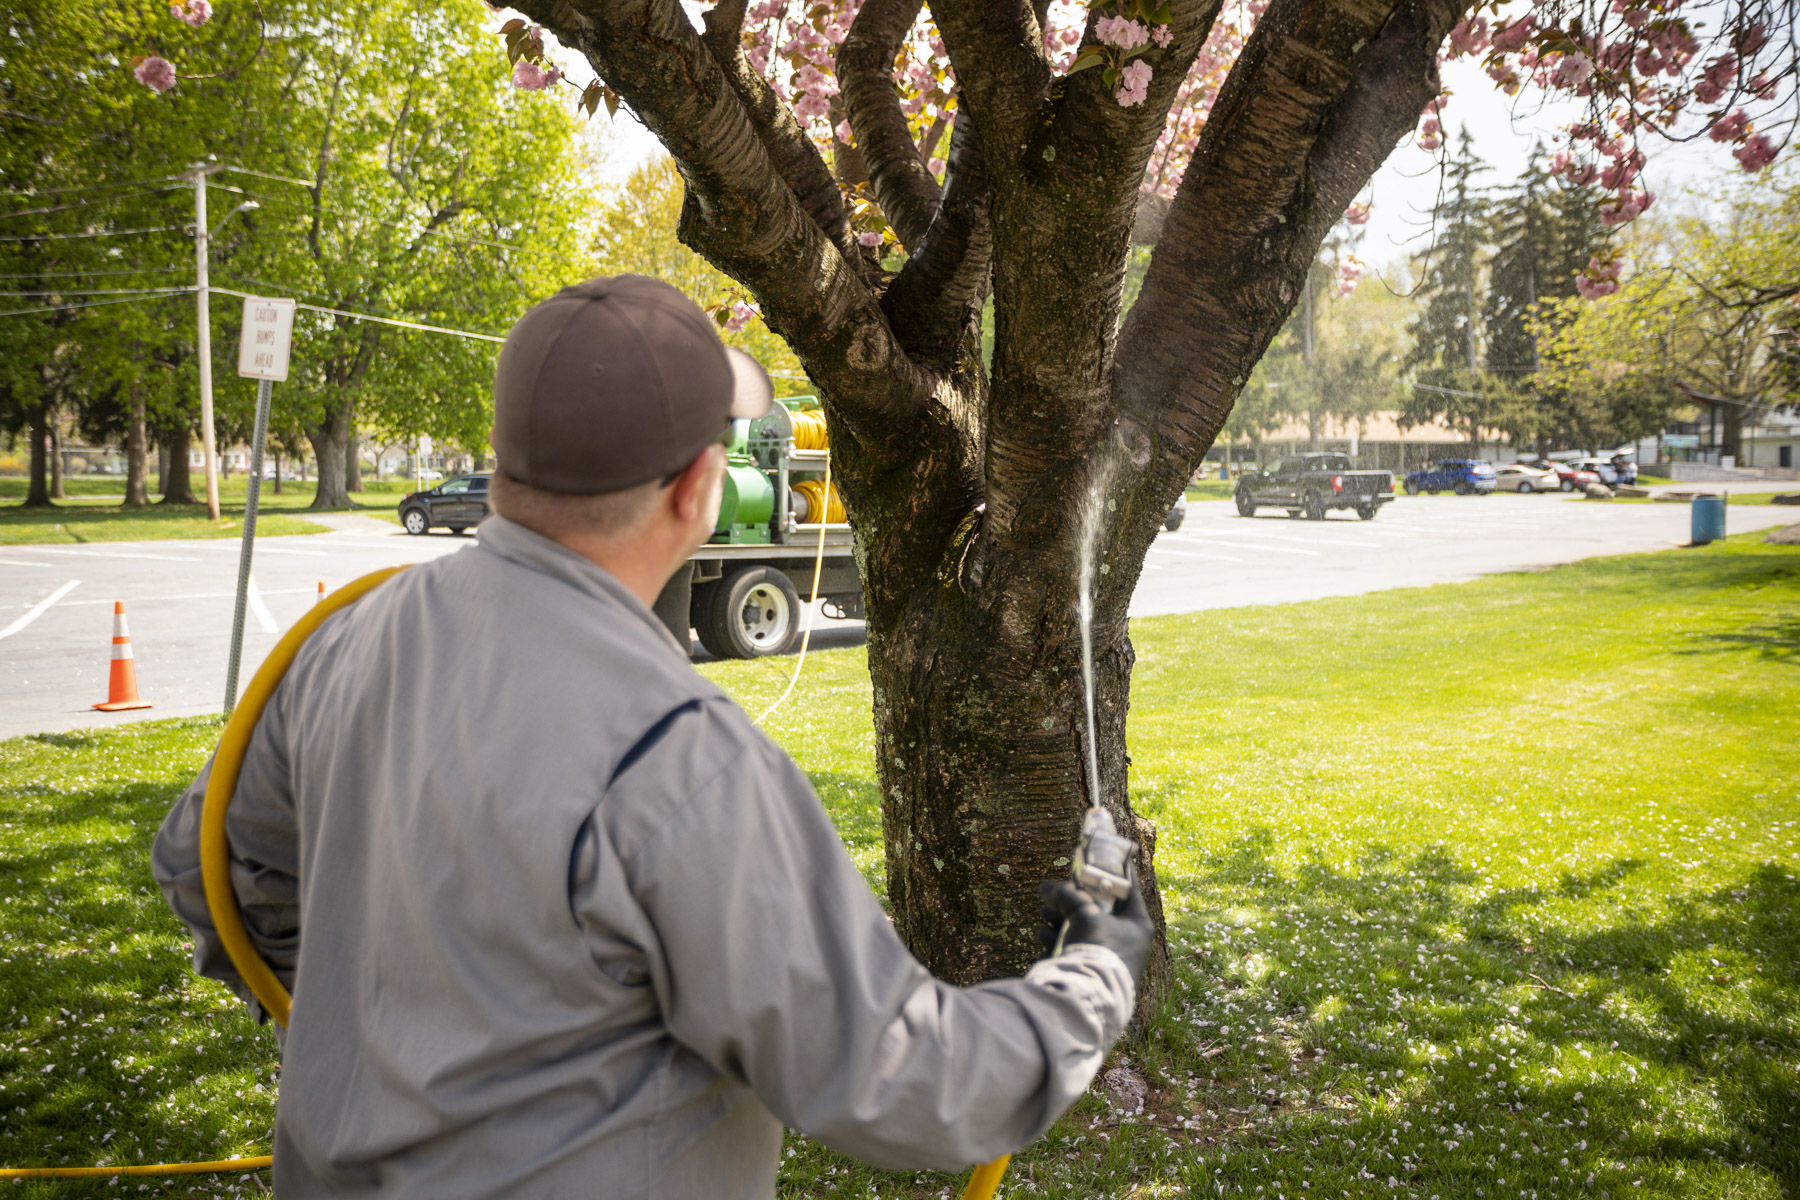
[
  {"x": 1445, "y": 359},
  {"x": 1710, "y": 316}
]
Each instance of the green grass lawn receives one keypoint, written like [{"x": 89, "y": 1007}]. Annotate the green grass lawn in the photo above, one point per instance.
[
  {"x": 1481, "y": 891},
  {"x": 93, "y": 512}
]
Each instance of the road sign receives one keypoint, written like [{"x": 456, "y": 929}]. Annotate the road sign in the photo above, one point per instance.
[{"x": 268, "y": 333}]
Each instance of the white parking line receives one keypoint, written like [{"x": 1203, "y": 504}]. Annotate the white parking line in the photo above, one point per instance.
[
  {"x": 236, "y": 546},
  {"x": 1325, "y": 540},
  {"x": 1160, "y": 549},
  {"x": 85, "y": 552},
  {"x": 264, "y": 617},
  {"x": 20, "y": 562},
  {"x": 37, "y": 610},
  {"x": 1253, "y": 546},
  {"x": 300, "y": 591}
]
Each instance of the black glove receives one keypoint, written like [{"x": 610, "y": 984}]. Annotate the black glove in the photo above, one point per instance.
[{"x": 1126, "y": 930}]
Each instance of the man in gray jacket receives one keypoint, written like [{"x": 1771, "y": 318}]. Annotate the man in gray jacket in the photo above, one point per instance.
[{"x": 557, "y": 919}]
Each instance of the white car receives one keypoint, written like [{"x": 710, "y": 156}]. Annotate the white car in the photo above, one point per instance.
[
  {"x": 1518, "y": 477},
  {"x": 1599, "y": 466}
]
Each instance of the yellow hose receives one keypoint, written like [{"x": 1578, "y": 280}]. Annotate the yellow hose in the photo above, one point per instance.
[
  {"x": 985, "y": 1180},
  {"x": 809, "y": 430},
  {"x": 215, "y": 850},
  {"x": 199, "y": 1168},
  {"x": 818, "y": 510}
]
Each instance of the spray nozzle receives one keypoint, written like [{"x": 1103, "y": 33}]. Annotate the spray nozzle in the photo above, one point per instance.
[{"x": 1103, "y": 858}]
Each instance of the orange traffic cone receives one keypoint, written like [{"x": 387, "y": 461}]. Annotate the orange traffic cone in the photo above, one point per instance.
[
  {"x": 321, "y": 591},
  {"x": 121, "y": 688}
]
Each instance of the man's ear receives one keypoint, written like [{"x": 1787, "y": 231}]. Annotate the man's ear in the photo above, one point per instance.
[{"x": 692, "y": 488}]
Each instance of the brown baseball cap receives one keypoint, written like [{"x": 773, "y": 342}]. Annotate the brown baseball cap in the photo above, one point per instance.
[{"x": 615, "y": 382}]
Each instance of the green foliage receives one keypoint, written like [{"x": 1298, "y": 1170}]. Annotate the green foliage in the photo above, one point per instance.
[
  {"x": 433, "y": 192},
  {"x": 634, "y": 231},
  {"x": 1401, "y": 952},
  {"x": 1709, "y": 308}
]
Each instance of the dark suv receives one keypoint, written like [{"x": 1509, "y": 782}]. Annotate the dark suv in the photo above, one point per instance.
[{"x": 459, "y": 503}]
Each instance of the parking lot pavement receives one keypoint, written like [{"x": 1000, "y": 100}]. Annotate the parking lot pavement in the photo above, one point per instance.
[
  {"x": 1218, "y": 559},
  {"x": 56, "y": 601}
]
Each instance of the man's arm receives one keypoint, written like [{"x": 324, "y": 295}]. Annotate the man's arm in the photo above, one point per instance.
[
  {"x": 265, "y": 861},
  {"x": 775, "y": 962}
]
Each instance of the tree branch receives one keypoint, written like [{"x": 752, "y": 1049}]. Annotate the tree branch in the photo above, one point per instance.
[
  {"x": 904, "y": 189},
  {"x": 1314, "y": 105},
  {"x": 1002, "y": 74},
  {"x": 930, "y": 300},
  {"x": 795, "y": 157},
  {"x": 740, "y": 213}
]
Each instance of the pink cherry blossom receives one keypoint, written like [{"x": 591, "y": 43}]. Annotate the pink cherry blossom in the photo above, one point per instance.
[
  {"x": 1357, "y": 214},
  {"x": 1430, "y": 128},
  {"x": 157, "y": 74},
  {"x": 192, "y": 12},
  {"x": 1749, "y": 41},
  {"x": 1349, "y": 272},
  {"x": 1509, "y": 38},
  {"x": 1755, "y": 154},
  {"x": 1134, "y": 83},
  {"x": 1467, "y": 38},
  {"x": 530, "y": 77},
  {"x": 843, "y": 133},
  {"x": 1574, "y": 69},
  {"x": 1121, "y": 32},
  {"x": 1430, "y": 141},
  {"x": 1162, "y": 37},
  {"x": 1732, "y": 128},
  {"x": 740, "y": 315},
  {"x": 870, "y": 239}
]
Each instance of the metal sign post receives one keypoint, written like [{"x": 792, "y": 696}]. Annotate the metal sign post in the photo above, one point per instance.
[{"x": 263, "y": 356}]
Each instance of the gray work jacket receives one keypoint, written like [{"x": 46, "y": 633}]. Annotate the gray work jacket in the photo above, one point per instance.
[{"x": 574, "y": 927}]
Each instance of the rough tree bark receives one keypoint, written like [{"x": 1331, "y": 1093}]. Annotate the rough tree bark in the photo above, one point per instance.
[
  {"x": 967, "y": 490},
  {"x": 56, "y": 462},
  {"x": 330, "y": 438},
  {"x": 177, "y": 481},
  {"x": 137, "y": 453},
  {"x": 37, "y": 489}
]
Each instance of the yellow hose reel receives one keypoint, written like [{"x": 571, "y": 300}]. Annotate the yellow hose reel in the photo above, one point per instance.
[
  {"x": 818, "y": 510},
  {"x": 215, "y": 850},
  {"x": 809, "y": 430}
]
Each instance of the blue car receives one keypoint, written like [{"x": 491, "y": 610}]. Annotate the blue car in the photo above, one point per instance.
[{"x": 1464, "y": 476}]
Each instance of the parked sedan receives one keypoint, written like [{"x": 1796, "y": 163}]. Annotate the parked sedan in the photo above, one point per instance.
[
  {"x": 1464, "y": 476},
  {"x": 1569, "y": 477},
  {"x": 459, "y": 503},
  {"x": 1523, "y": 477}
]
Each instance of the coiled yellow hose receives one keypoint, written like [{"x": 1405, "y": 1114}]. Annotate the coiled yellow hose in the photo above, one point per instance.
[
  {"x": 818, "y": 510},
  {"x": 809, "y": 430}
]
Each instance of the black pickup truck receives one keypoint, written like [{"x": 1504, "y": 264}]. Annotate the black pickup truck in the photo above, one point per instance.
[{"x": 1312, "y": 483}]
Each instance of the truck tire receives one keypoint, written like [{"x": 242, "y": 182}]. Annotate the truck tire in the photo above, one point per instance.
[
  {"x": 1314, "y": 506},
  {"x": 1293, "y": 514},
  {"x": 1412, "y": 489},
  {"x": 1246, "y": 507},
  {"x": 1366, "y": 512},
  {"x": 1462, "y": 488},
  {"x": 753, "y": 612}
]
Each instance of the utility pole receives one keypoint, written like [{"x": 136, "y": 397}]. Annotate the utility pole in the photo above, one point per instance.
[{"x": 203, "y": 340}]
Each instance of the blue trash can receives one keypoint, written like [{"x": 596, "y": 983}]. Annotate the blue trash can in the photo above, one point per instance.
[
  {"x": 1708, "y": 519},
  {"x": 1224, "y": 472}
]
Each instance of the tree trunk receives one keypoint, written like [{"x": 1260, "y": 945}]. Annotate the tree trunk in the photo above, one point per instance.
[
  {"x": 979, "y": 745},
  {"x": 352, "y": 458},
  {"x": 275, "y": 449},
  {"x": 137, "y": 486},
  {"x": 177, "y": 480},
  {"x": 1731, "y": 435},
  {"x": 56, "y": 462},
  {"x": 37, "y": 491},
  {"x": 330, "y": 442}
]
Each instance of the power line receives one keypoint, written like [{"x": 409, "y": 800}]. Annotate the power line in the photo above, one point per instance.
[
  {"x": 56, "y": 237},
  {"x": 89, "y": 187},
  {"x": 107, "y": 292},
  {"x": 339, "y": 312},
  {"x": 56, "y": 208},
  {"x": 305, "y": 183},
  {"x": 94, "y": 274},
  {"x": 400, "y": 225},
  {"x": 47, "y": 308}
]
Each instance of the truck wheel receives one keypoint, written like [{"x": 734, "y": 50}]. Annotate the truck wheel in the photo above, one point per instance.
[
  {"x": 1245, "y": 506},
  {"x": 700, "y": 606},
  {"x": 1462, "y": 489},
  {"x": 1366, "y": 511},
  {"x": 755, "y": 612},
  {"x": 1412, "y": 489},
  {"x": 1315, "y": 506},
  {"x": 1293, "y": 514},
  {"x": 415, "y": 522}
]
